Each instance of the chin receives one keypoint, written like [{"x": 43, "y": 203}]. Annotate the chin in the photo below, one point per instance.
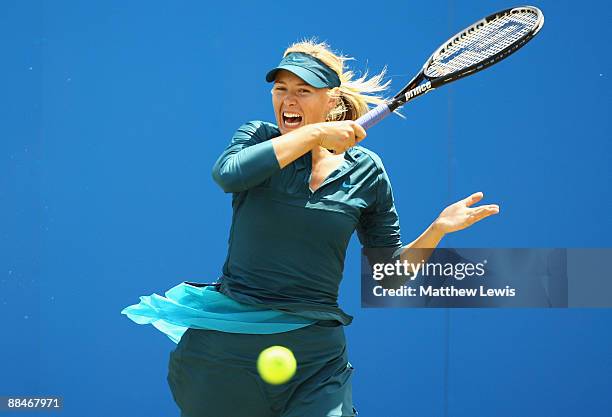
[{"x": 285, "y": 129}]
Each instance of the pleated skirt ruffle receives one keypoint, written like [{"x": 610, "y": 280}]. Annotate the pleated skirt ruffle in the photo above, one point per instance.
[{"x": 204, "y": 307}]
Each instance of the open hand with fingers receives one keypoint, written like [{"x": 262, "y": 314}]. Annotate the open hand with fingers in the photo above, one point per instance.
[{"x": 461, "y": 215}]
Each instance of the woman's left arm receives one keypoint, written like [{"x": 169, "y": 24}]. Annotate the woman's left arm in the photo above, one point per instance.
[{"x": 457, "y": 216}]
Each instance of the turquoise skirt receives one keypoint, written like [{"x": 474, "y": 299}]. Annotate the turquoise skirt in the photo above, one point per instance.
[{"x": 202, "y": 306}]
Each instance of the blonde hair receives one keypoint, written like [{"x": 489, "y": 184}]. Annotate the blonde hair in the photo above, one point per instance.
[{"x": 354, "y": 95}]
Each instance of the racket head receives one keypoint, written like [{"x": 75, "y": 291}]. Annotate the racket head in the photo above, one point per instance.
[
  {"x": 475, "y": 48},
  {"x": 483, "y": 44}
]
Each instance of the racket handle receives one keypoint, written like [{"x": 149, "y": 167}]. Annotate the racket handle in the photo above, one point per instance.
[{"x": 374, "y": 116}]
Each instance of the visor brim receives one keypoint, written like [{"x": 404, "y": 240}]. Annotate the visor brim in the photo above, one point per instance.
[{"x": 308, "y": 76}]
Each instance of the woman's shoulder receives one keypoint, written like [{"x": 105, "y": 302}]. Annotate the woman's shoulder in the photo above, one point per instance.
[
  {"x": 259, "y": 130},
  {"x": 368, "y": 158}
]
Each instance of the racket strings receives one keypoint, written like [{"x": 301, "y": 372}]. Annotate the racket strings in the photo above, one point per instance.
[{"x": 483, "y": 41}]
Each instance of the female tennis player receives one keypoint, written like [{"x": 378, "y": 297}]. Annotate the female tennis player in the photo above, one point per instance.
[{"x": 300, "y": 188}]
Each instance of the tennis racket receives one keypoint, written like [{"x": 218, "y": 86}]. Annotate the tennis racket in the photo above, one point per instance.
[{"x": 481, "y": 45}]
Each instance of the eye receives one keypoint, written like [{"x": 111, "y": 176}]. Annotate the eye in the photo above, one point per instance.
[{"x": 303, "y": 91}]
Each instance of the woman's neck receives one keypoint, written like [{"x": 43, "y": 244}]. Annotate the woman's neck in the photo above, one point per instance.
[{"x": 320, "y": 154}]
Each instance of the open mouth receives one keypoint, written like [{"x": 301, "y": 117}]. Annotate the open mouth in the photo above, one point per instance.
[{"x": 291, "y": 119}]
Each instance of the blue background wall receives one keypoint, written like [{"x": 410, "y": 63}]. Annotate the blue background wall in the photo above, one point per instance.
[{"x": 112, "y": 114}]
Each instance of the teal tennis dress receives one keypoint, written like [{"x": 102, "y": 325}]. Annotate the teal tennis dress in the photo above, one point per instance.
[{"x": 279, "y": 284}]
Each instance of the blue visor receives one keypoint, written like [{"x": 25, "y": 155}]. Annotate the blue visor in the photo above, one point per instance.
[{"x": 308, "y": 68}]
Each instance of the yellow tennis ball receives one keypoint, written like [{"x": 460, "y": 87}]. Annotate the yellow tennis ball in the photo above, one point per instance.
[{"x": 276, "y": 365}]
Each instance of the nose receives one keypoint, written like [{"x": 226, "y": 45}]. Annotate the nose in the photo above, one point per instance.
[{"x": 290, "y": 99}]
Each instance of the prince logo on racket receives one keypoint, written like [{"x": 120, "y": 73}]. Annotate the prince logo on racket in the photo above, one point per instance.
[{"x": 418, "y": 91}]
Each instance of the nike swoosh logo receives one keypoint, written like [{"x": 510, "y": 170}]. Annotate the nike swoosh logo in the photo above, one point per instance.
[{"x": 346, "y": 186}]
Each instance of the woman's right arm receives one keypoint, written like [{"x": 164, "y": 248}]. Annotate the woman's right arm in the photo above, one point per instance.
[
  {"x": 336, "y": 136},
  {"x": 251, "y": 158}
]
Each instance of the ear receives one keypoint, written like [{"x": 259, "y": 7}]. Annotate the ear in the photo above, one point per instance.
[{"x": 334, "y": 96}]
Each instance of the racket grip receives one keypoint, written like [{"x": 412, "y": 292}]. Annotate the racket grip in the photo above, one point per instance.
[{"x": 374, "y": 116}]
